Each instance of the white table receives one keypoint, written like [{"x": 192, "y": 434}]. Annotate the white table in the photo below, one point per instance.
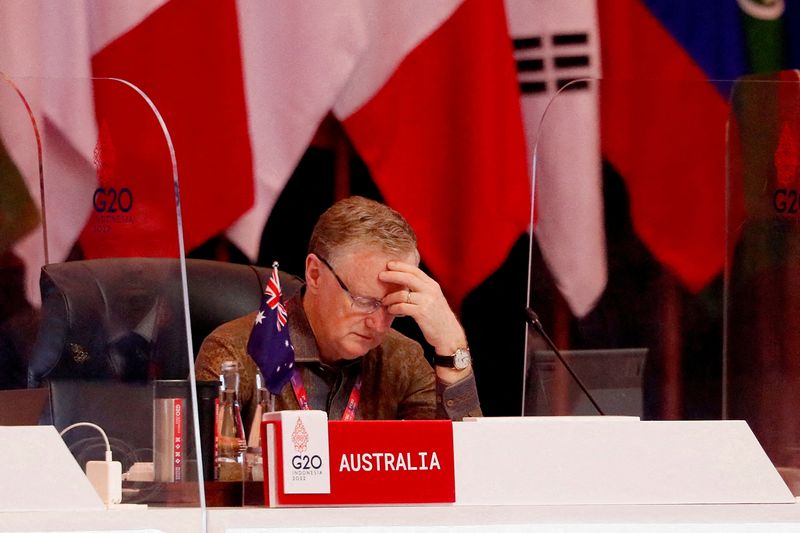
[{"x": 401, "y": 519}]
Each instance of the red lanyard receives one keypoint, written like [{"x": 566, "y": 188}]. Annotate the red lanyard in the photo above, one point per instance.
[{"x": 302, "y": 397}]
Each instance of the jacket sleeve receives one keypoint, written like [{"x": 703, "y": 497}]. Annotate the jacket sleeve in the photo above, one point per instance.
[
  {"x": 457, "y": 400},
  {"x": 427, "y": 397}
]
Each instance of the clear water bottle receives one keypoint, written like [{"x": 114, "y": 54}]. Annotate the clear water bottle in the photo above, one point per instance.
[
  {"x": 230, "y": 442},
  {"x": 253, "y": 457}
]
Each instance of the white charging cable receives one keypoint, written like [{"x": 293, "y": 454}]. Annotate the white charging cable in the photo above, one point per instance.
[
  {"x": 105, "y": 476},
  {"x": 95, "y": 426}
]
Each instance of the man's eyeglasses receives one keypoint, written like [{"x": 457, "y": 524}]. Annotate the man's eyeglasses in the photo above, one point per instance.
[{"x": 359, "y": 304}]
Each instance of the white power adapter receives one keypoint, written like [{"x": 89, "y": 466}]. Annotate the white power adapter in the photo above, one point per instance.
[{"x": 106, "y": 478}]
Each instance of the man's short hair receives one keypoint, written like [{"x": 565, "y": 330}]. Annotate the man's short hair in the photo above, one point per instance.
[{"x": 361, "y": 221}]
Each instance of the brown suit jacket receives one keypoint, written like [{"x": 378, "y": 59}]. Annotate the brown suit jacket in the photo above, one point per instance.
[{"x": 398, "y": 382}]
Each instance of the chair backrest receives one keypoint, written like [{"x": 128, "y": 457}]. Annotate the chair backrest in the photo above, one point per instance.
[
  {"x": 220, "y": 292},
  {"x": 85, "y": 302}
]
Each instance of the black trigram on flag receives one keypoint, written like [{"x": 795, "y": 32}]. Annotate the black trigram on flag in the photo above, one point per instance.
[{"x": 547, "y": 63}]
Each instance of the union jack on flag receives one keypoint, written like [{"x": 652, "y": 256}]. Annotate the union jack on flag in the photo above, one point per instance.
[
  {"x": 270, "y": 346},
  {"x": 273, "y": 294}
]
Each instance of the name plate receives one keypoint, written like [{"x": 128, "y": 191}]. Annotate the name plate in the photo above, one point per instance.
[
  {"x": 301, "y": 441},
  {"x": 373, "y": 462}
]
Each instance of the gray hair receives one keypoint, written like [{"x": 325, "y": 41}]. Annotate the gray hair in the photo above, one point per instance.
[{"x": 361, "y": 221}]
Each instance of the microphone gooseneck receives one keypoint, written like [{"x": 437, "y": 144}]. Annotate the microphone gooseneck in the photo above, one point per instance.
[{"x": 533, "y": 319}]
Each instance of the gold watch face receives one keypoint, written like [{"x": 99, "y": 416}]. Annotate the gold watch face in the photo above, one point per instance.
[{"x": 461, "y": 359}]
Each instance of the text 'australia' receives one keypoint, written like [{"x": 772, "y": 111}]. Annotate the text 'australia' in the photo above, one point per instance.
[{"x": 386, "y": 461}]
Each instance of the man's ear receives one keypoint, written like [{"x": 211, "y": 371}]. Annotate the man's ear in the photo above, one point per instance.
[{"x": 313, "y": 272}]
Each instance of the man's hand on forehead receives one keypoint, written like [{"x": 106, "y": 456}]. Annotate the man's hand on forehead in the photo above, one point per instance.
[{"x": 422, "y": 299}]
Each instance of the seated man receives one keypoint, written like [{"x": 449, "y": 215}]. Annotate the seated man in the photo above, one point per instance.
[{"x": 361, "y": 272}]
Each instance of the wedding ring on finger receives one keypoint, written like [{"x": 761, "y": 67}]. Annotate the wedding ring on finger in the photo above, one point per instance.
[{"x": 408, "y": 296}]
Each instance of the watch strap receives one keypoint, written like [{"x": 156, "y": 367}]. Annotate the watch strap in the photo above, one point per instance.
[
  {"x": 447, "y": 361},
  {"x": 459, "y": 360}
]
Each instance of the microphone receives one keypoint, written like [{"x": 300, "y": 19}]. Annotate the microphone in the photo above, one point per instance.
[{"x": 533, "y": 319}]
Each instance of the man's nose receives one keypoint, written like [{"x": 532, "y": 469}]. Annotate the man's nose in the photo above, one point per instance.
[{"x": 380, "y": 320}]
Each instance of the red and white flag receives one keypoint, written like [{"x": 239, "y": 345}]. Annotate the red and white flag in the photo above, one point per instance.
[
  {"x": 426, "y": 91},
  {"x": 162, "y": 47},
  {"x": 43, "y": 39},
  {"x": 442, "y": 136},
  {"x": 667, "y": 139}
]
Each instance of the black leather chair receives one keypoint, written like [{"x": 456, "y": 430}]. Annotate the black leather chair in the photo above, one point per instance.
[
  {"x": 86, "y": 303},
  {"x": 83, "y": 300}
]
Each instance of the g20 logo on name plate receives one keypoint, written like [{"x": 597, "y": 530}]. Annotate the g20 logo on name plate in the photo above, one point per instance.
[
  {"x": 304, "y": 465},
  {"x": 300, "y": 436},
  {"x": 302, "y": 461}
]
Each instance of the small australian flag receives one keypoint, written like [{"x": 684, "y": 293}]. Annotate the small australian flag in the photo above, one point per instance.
[{"x": 269, "y": 343}]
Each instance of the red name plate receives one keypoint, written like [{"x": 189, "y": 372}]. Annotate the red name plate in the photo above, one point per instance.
[{"x": 375, "y": 462}]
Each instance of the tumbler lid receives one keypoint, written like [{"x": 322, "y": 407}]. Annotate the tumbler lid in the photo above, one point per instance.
[
  {"x": 171, "y": 388},
  {"x": 207, "y": 390}
]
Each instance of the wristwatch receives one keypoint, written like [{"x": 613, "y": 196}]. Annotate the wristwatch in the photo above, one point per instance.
[{"x": 459, "y": 360}]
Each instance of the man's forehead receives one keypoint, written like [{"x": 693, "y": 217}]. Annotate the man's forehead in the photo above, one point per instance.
[{"x": 359, "y": 253}]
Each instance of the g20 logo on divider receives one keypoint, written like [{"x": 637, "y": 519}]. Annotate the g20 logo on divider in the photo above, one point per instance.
[
  {"x": 785, "y": 201},
  {"x": 111, "y": 200}
]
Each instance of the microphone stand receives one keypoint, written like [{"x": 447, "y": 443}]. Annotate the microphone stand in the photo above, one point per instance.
[{"x": 533, "y": 319}]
